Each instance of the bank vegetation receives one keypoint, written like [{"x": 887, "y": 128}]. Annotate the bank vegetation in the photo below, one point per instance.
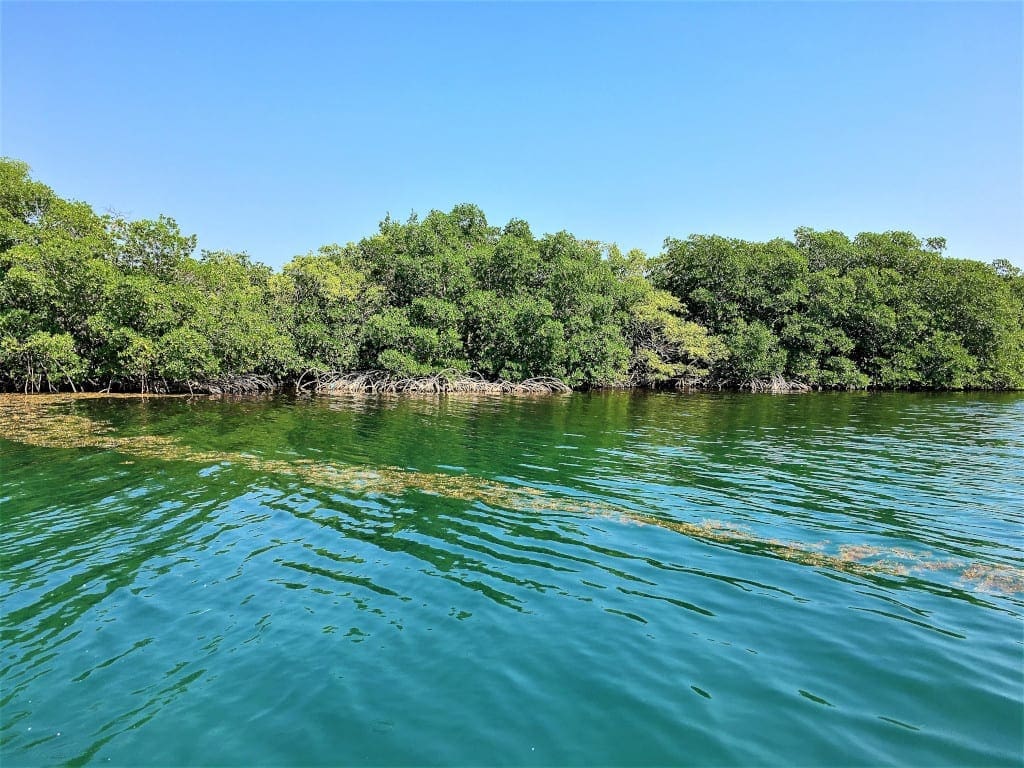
[{"x": 449, "y": 302}]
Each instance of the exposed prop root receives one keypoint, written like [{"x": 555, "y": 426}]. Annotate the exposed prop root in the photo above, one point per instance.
[
  {"x": 246, "y": 384},
  {"x": 775, "y": 384},
  {"x": 443, "y": 382}
]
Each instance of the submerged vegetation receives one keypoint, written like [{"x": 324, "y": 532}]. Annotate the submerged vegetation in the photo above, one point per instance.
[
  {"x": 449, "y": 302},
  {"x": 47, "y": 421}
]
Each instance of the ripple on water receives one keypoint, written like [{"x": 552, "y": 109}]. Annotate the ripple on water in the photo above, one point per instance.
[{"x": 592, "y": 579}]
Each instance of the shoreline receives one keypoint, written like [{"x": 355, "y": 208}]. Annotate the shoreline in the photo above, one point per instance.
[{"x": 291, "y": 390}]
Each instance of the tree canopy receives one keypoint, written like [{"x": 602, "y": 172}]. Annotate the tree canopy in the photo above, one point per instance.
[{"x": 98, "y": 301}]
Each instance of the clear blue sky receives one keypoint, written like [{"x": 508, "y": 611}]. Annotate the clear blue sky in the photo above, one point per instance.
[{"x": 275, "y": 128}]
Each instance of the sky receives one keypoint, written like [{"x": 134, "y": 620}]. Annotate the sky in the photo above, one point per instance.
[{"x": 275, "y": 128}]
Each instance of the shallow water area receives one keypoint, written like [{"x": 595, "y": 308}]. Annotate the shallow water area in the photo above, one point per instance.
[{"x": 607, "y": 578}]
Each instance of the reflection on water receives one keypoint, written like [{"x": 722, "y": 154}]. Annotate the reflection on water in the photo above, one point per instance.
[
  {"x": 35, "y": 421},
  {"x": 171, "y": 563}
]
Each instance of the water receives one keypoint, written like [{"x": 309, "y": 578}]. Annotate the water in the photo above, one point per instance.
[{"x": 608, "y": 579}]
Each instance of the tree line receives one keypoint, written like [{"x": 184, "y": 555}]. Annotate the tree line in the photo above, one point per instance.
[{"x": 91, "y": 301}]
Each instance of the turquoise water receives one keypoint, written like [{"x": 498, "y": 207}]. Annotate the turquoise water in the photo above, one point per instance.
[{"x": 613, "y": 579}]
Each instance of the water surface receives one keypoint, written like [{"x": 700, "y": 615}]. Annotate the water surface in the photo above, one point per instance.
[{"x": 614, "y": 579}]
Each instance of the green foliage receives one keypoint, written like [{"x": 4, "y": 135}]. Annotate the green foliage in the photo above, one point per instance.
[
  {"x": 42, "y": 358},
  {"x": 881, "y": 310},
  {"x": 323, "y": 301},
  {"x": 393, "y": 341},
  {"x": 100, "y": 301},
  {"x": 663, "y": 345},
  {"x": 755, "y": 353},
  {"x": 153, "y": 247},
  {"x": 185, "y": 354}
]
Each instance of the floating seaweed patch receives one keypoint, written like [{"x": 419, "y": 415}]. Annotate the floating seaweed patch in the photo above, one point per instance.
[
  {"x": 987, "y": 577},
  {"x": 41, "y": 421}
]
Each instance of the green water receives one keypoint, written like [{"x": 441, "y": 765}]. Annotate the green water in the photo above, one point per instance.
[{"x": 606, "y": 579}]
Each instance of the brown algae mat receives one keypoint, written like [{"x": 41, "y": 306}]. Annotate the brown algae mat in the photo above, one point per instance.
[{"x": 42, "y": 421}]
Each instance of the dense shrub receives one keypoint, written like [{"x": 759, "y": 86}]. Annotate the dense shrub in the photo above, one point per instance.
[{"x": 99, "y": 301}]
